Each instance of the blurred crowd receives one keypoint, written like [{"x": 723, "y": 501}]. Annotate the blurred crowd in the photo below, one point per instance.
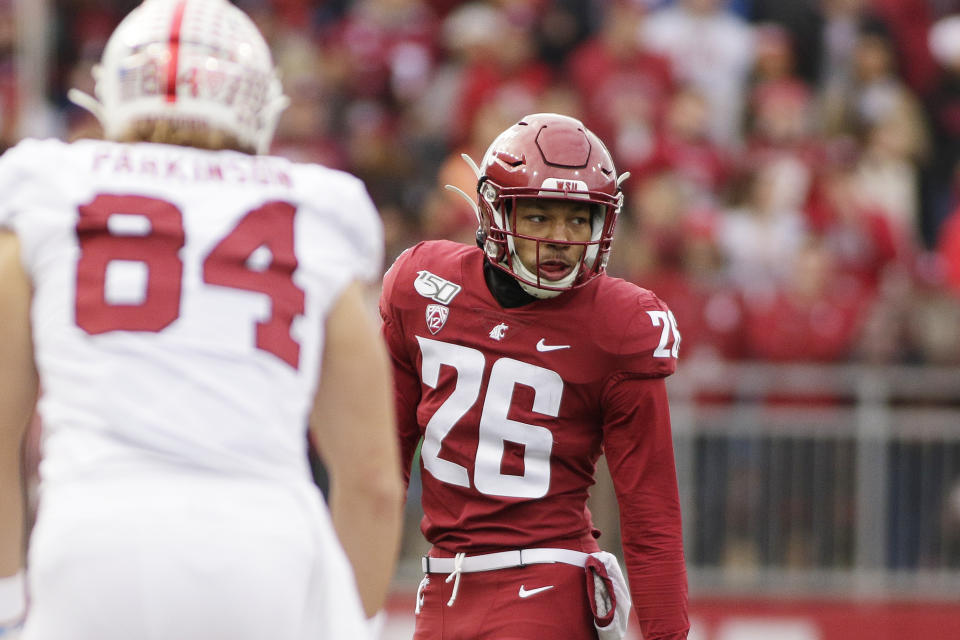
[{"x": 795, "y": 186}]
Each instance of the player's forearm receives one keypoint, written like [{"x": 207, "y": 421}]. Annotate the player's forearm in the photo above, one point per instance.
[
  {"x": 12, "y": 589},
  {"x": 11, "y": 514},
  {"x": 368, "y": 522},
  {"x": 19, "y": 384},
  {"x": 639, "y": 448},
  {"x": 658, "y": 589},
  {"x": 652, "y": 537},
  {"x": 651, "y": 530}
]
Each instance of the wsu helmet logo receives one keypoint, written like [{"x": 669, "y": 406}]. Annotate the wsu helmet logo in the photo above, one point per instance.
[
  {"x": 567, "y": 186},
  {"x": 436, "y": 317}
]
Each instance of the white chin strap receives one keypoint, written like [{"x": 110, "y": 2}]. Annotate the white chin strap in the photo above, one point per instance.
[
  {"x": 521, "y": 270},
  {"x": 537, "y": 292}
]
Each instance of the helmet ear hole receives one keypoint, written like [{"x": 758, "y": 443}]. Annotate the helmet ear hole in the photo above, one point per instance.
[{"x": 488, "y": 192}]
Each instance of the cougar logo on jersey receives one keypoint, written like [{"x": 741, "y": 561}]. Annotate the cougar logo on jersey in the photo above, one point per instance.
[
  {"x": 497, "y": 332},
  {"x": 436, "y": 288},
  {"x": 436, "y": 317}
]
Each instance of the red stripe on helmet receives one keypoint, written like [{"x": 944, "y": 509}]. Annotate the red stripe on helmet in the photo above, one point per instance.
[{"x": 174, "y": 63}]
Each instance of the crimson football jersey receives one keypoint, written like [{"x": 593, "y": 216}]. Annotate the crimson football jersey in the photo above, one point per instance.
[
  {"x": 515, "y": 406},
  {"x": 511, "y": 406}
]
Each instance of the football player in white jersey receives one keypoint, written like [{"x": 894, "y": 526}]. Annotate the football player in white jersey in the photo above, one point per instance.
[{"x": 184, "y": 308}]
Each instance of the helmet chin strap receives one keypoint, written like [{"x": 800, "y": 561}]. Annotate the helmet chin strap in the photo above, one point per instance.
[{"x": 537, "y": 292}]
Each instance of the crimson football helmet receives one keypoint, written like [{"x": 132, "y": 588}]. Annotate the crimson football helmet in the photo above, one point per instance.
[
  {"x": 552, "y": 156},
  {"x": 202, "y": 63}
]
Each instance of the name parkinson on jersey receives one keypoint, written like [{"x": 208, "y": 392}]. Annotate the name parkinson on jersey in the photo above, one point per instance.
[{"x": 166, "y": 164}]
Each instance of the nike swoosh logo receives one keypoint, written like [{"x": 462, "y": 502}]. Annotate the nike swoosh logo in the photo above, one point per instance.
[
  {"x": 550, "y": 347},
  {"x": 523, "y": 593}
]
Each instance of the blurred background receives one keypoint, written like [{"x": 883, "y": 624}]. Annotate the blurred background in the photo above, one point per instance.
[{"x": 795, "y": 199}]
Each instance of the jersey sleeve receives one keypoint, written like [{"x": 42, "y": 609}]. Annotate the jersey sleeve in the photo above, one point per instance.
[
  {"x": 638, "y": 445},
  {"x": 18, "y": 184},
  {"x": 342, "y": 223},
  {"x": 405, "y": 377},
  {"x": 647, "y": 337},
  {"x": 363, "y": 231}
]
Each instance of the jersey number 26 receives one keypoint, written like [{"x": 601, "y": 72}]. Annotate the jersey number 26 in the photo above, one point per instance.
[{"x": 495, "y": 427}]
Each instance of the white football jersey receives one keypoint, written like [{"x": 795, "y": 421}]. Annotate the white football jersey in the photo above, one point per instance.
[{"x": 179, "y": 299}]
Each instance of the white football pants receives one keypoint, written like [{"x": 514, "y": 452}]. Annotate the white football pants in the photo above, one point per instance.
[{"x": 188, "y": 556}]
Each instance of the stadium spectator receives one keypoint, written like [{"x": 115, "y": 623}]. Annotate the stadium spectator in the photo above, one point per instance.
[
  {"x": 875, "y": 94},
  {"x": 910, "y": 22},
  {"x": 305, "y": 132},
  {"x": 684, "y": 147},
  {"x": 943, "y": 107},
  {"x": 710, "y": 49},
  {"x": 811, "y": 316},
  {"x": 385, "y": 49},
  {"x": 841, "y": 22},
  {"x": 762, "y": 233},
  {"x": 861, "y": 237},
  {"x": 934, "y": 313},
  {"x": 779, "y": 113},
  {"x": 624, "y": 85},
  {"x": 510, "y": 73},
  {"x": 781, "y": 134},
  {"x": 948, "y": 249},
  {"x": 803, "y": 22},
  {"x": 886, "y": 115}
]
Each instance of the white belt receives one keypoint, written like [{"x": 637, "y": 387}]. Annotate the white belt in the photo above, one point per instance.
[{"x": 504, "y": 560}]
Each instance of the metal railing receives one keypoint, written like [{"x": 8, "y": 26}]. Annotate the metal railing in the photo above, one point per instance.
[{"x": 814, "y": 479}]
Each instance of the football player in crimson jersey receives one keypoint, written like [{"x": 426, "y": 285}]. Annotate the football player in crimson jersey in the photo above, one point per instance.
[
  {"x": 516, "y": 365},
  {"x": 189, "y": 309}
]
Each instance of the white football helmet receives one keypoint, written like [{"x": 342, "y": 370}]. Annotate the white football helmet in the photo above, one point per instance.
[{"x": 199, "y": 63}]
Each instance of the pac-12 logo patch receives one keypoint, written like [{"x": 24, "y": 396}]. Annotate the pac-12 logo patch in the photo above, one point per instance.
[
  {"x": 436, "y": 317},
  {"x": 434, "y": 287}
]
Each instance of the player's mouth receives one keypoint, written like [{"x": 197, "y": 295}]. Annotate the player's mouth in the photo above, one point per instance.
[{"x": 554, "y": 269}]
